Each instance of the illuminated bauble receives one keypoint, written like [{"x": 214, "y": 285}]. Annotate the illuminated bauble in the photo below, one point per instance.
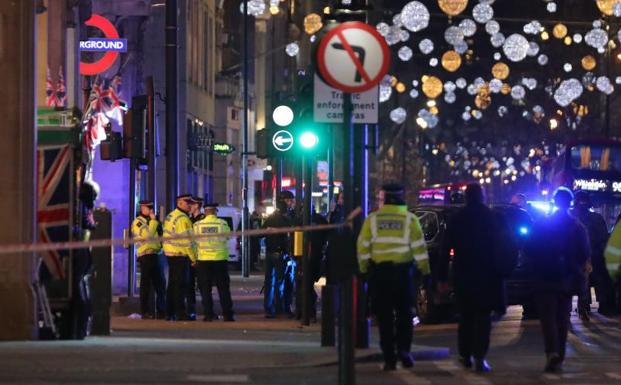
[
  {"x": 533, "y": 49},
  {"x": 452, "y": 7},
  {"x": 255, "y": 7},
  {"x": 483, "y": 101},
  {"x": 606, "y": 6},
  {"x": 451, "y": 61},
  {"x": 425, "y": 46},
  {"x": 506, "y": 89},
  {"x": 453, "y": 35},
  {"x": 450, "y": 97},
  {"x": 383, "y": 28},
  {"x": 400, "y": 87},
  {"x": 468, "y": 27},
  {"x": 502, "y": 111},
  {"x": 492, "y": 27},
  {"x": 432, "y": 87},
  {"x": 500, "y": 71},
  {"x": 405, "y": 53},
  {"x": 461, "y": 83},
  {"x": 516, "y": 47},
  {"x": 559, "y": 31},
  {"x": 398, "y": 115},
  {"x": 292, "y": 49},
  {"x": 589, "y": 63},
  {"x": 596, "y": 38},
  {"x": 415, "y": 16},
  {"x": 482, "y": 13},
  {"x": 577, "y": 38},
  {"x": 413, "y": 93},
  {"x": 518, "y": 92},
  {"x": 604, "y": 85},
  {"x": 312, "y": 23},
  {"x": 385, "y": 91},
  {"x": 450, "y": 86},
  {"x": 497, "y": 39},
  {"x": 495, "y": 85},
  {"x": 542, "y": 59},
  {"x": 567, "y": 92}
]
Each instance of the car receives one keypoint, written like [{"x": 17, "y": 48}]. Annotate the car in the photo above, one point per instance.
[
  {"x": 232, "y": 216},
  {"x": 433, "y": 306}
]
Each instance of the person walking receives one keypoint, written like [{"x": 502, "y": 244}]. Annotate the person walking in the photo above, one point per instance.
[
  {"x": 472, "y": 241},
  {"x": 595, "y": 224},
  {"x": 212, "y": 263},
  {"x": 390, "y": 246},
  {"x": 144, "y": 228},
  {"x": 277, "y": 248},
  {"x": 180, "y": 255},
  {"x": 556, "y": 256}
]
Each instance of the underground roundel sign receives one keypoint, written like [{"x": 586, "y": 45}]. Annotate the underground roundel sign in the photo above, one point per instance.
[
  {"x": 111, "y": 45},
  {"x": 353, "y": 57}
]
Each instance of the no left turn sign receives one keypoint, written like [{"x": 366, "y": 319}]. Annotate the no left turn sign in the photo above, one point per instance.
[{"x": 353, "y": 57}]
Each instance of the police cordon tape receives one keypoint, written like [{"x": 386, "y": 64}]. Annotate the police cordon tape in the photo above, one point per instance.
[{"x": 23, "y": 248}]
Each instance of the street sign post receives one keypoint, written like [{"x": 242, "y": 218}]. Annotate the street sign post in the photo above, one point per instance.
[{"x": 328, "y": 104}]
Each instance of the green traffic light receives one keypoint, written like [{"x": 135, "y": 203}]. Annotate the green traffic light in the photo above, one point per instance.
[{"x": 309, "y": 140}]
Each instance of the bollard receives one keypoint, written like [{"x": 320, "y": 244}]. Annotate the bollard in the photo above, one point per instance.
[{"x": 328, "y": 336}]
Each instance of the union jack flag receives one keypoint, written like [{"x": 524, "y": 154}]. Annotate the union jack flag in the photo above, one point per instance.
[
  {"x": 53, "y": 205},
  {"x": 61, "y": 91},
  {"x": 50, "y": 95}
]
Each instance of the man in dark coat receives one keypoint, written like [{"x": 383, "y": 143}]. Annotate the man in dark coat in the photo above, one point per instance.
[
  {"x": 556, "y": 256},
  {"x": 472, "y": 241}
]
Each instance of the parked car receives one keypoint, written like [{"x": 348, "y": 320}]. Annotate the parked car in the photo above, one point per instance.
[
  {"x": 434, "y": 307},
  {"x": 232, "y": 216}
]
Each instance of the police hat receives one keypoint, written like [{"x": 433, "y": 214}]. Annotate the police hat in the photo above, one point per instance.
[
  {"x": 185, "y": 197},
  {"x": 211, "y": 205},
  {"x": 393, "y": 189},
  {"x": 146, "y": 202},
  {"x": 198, "y": 200}
]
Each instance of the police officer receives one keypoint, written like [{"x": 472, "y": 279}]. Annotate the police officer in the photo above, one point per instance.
[
  {"x": 145, "y": 227},
  {"x": 390, "y": 245},
  {"x": 180, "y": 255},
  {"x": 277, "y": 247},
  {"x": 212, "y": 264},
  {"x": 597, "y": 230},
  {"x": 613, "y": 262},
  {"x": 196, "y": 214}
]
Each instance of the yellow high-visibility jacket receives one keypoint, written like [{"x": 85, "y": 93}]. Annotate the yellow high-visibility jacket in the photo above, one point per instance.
[
  {"x": 392, "y": 234},
  {"x": 212, "y": 248},
  {"x": 178, "y": 223},
  {"x": 613, "y": 254},
  {"x": 145, "y": 229}
]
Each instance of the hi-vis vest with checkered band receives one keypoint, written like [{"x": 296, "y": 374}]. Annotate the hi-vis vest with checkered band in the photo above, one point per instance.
[
  {"x": 177, "y": 223},
  {"x": 212, "y": 248},
  {"x": 392, "y": 234},
  {"x": 143, "y": 229},
  {"x": 613, "y": 254}
]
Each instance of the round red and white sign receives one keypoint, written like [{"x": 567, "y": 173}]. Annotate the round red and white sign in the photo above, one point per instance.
[{"x": 353, "y": 57}]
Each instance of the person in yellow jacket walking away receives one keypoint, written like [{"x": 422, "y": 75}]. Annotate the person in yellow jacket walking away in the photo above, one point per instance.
[
  {"x": 390, "y": 246},
  {"x": 145, "y": 228},
  {"x": 180, "y": 254},
  {"x": 212, "y": 264},
  {"x": 612, "y": 254}
]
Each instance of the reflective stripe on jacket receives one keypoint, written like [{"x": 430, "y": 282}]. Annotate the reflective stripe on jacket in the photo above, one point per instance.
[
  {"x": 143, "y": 229},
  {"x": 392, "y": 234},
  {"x": 613, "y": 254},
  {"x": 212, "y": 248},
  {"x": 178, "y": 223}
]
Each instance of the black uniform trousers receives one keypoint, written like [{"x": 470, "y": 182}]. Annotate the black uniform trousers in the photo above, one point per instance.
[
  {"x": 191, "y": 293},
  {"x": 392, "y": 296},
  {"x": 178, "y": 272},
  {"x": 554, "y": 316},
  {"x": 474, "y": 328},
  {"x": 152, "y": 280},
  {"x": 210, "y": 273}
]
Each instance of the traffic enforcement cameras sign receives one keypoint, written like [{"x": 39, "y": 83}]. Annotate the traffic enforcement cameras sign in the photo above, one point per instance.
[{"x": 353, "y": 57}]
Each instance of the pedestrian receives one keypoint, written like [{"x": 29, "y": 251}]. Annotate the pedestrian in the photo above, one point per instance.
[
  {"x": 337, "y": 210},
  {"x": 293, "y": 213},
  {"x": 255, "y": 242},
  {"x": 473, "y": 240},
  {"x": 277, "y": 248},
  {"x": 145, "y": 228},
  {"x": 613, "y": 263},
  {"x": 556, "y": 256},
  {"x": 180, "y": 255},
  {"x": 595, "y": 224},
  {"x": 390, "y": 246},
  {"x": 196, "y": 214},
  {"x": 212, "y": 263}
]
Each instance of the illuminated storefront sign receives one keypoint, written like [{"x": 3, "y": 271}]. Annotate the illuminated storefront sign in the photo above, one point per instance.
[
  {"x": 111, "y": 44},
  {"x": 223, "y": 148},
  {"x": 598, "y": 185}
]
